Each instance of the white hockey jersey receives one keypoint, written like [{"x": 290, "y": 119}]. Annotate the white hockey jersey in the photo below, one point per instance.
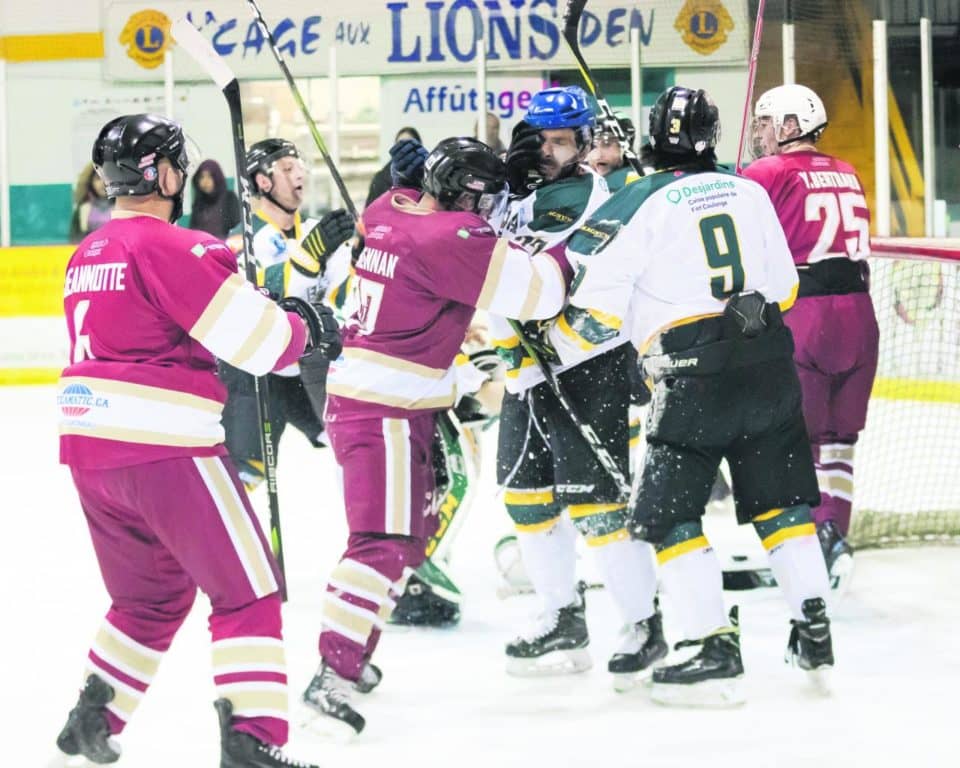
[
  {"x": 542, "y": 219},
  {"x": 667, "y": 250},
  {"x": 276, "y": 252}
]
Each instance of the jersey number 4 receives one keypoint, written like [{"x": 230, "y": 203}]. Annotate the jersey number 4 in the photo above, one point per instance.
[
  {"x": 81, "y": 344},
  {"x": 719, "y": 236}
]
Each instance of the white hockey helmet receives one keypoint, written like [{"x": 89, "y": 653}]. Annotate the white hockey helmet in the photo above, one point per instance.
[{"x": 795, "y": 101}]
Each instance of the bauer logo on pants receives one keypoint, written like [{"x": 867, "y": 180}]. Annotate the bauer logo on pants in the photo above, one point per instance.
[{"x": 147, "y": 37}]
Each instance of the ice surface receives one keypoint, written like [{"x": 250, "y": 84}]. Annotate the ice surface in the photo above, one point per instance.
[{"x": 445, "y": 700}]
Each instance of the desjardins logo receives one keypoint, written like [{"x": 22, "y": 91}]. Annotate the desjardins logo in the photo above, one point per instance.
[
  {"x": 147, "y": 37},
  {"x": 703, "y": 25}
]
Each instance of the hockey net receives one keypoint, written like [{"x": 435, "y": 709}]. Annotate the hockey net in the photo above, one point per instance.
[{"x": 907, "y": 470}]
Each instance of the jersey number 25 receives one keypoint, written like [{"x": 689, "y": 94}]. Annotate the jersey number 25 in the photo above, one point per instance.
[{"x": 835, "y": 209}]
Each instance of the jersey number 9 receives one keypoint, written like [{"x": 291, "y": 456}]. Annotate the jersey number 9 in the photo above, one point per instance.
[{"x": 719, "y": 236}]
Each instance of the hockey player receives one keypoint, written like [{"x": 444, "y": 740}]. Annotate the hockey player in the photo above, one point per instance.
[
  {"x": 694, "y": 262},
  {"x": 823, "y": 209},
  {"x": 606, "y": 156},
  {"x": 555, "y": 486},
  {"x": 299, "y": 258},
  {"x": 427, "y": 264},
  {"x": 140, "y": 430}
]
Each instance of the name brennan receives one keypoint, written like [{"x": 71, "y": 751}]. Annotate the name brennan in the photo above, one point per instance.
[
  {"x": 377, "y": 261},
  {"x": 91, "y": 278}
]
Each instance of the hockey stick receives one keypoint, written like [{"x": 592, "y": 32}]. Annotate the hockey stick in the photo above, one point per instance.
[
  {"x": 317, "y": 138},
  {"x": 201, "y": 51},
  {"x": 597, "y": 447},
  {"x": 609, "y": 121},
  {"x": 751, "y": 79}
]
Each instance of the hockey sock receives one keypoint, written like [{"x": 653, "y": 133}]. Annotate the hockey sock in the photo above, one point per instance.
[
  {"x": 126, "y": 654},
  {"x": 834, "y": 464},
  {"x": 550, "y": 559},
  {"x": 626, "y": 566},
  {"x": 693, "y": 580},
  {"x": 790, "y": 538},
  {"x": 628, "y": 572},
  {"x": 249, "y": 667}
]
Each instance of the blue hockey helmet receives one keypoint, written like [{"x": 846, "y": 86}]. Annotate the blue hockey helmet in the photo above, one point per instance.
[{"x": 566, "y": 107}]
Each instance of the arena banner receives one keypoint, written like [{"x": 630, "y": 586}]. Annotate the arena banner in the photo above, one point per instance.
[
  {"x": 35, "y": 344},
  {"x": 393, "y": 37}
]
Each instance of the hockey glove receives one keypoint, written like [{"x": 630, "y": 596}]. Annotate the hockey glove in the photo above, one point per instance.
[
  {"x": 407, "y": 158},
  {"x": 334, "y": 229},
  {"x": 322, "y": 328},
  {"x": 535, "y": 336},
  {"x": 523, "y": 156}
]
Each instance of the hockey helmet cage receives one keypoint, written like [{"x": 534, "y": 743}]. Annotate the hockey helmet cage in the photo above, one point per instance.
[
  {"x": 465, "y": 174},
  {"x": 796, "y": 101},
  {"x": 262, "y": 155},
  {"x": 128, "y": 148},
  {"x": 684, "y": 122}
]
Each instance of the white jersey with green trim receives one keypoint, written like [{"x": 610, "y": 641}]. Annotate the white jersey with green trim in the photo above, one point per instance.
[
  {"x": 669, "y": 249},
  {"x": 276, "y": 251},
  {"x": 544, "y": 218}
]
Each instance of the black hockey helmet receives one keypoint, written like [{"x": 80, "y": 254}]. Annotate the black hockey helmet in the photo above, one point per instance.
[
  {"x": 465, "y": 174},
  {"x": 684, "y": 122},
  {"x": 128, "y": 149},
  {"x": 262, "y": 155}
]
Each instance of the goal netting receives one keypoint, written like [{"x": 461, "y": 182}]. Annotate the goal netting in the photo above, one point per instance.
[{"x": 907, "y": 467}]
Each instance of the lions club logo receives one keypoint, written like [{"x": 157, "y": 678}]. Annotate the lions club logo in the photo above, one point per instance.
[
  {"x": 147, "y": 37},
  {"x": 704, "y": 25}
]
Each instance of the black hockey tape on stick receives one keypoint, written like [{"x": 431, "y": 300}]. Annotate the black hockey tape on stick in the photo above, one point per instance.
[
  {"x": 201, "y": 51},
  {"x": 317, "y": 138},
  {"x": 590, "y": 437},
  {"x": 609, "y": 121},
  {"x": 751, "y": 79}
]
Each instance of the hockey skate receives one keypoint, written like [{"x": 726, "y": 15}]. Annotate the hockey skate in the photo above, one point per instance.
[
  {"x": 370, "y": 677},
  {"x": 838, "y": 555},
  {"x": 643, "y": 645},
  {"x": 328, "y": 708},
  {"x": 87, "y": 732},
  {"x": 711, "y": 678},
  {"x": 555, "y": 645},
  {"x": 430, "y": 599},
  {"x": 241, "y": 750},
  {"x": 810, "y": 646}
]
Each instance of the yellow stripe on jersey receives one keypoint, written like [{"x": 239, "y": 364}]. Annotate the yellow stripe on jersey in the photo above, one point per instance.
[
  {"x": 611, "y": 321},
  {"x": 789, "y": 301},
  {"x": 642, "y": 349},
  {"x": 564, "y": 327}
]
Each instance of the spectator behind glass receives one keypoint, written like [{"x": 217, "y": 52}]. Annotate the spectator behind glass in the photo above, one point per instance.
[
  {"x": 493, "y": 134},
  {"x": 215, "y": 208},
  {"x": 91, "y": 207},
  {"x": 381, "y": 180}
]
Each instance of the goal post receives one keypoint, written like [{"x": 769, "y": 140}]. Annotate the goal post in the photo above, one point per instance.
[{"x": 907, "y": 466}]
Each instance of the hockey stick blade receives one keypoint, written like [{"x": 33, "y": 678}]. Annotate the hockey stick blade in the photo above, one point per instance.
[{"x": 202, "y": 52}]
